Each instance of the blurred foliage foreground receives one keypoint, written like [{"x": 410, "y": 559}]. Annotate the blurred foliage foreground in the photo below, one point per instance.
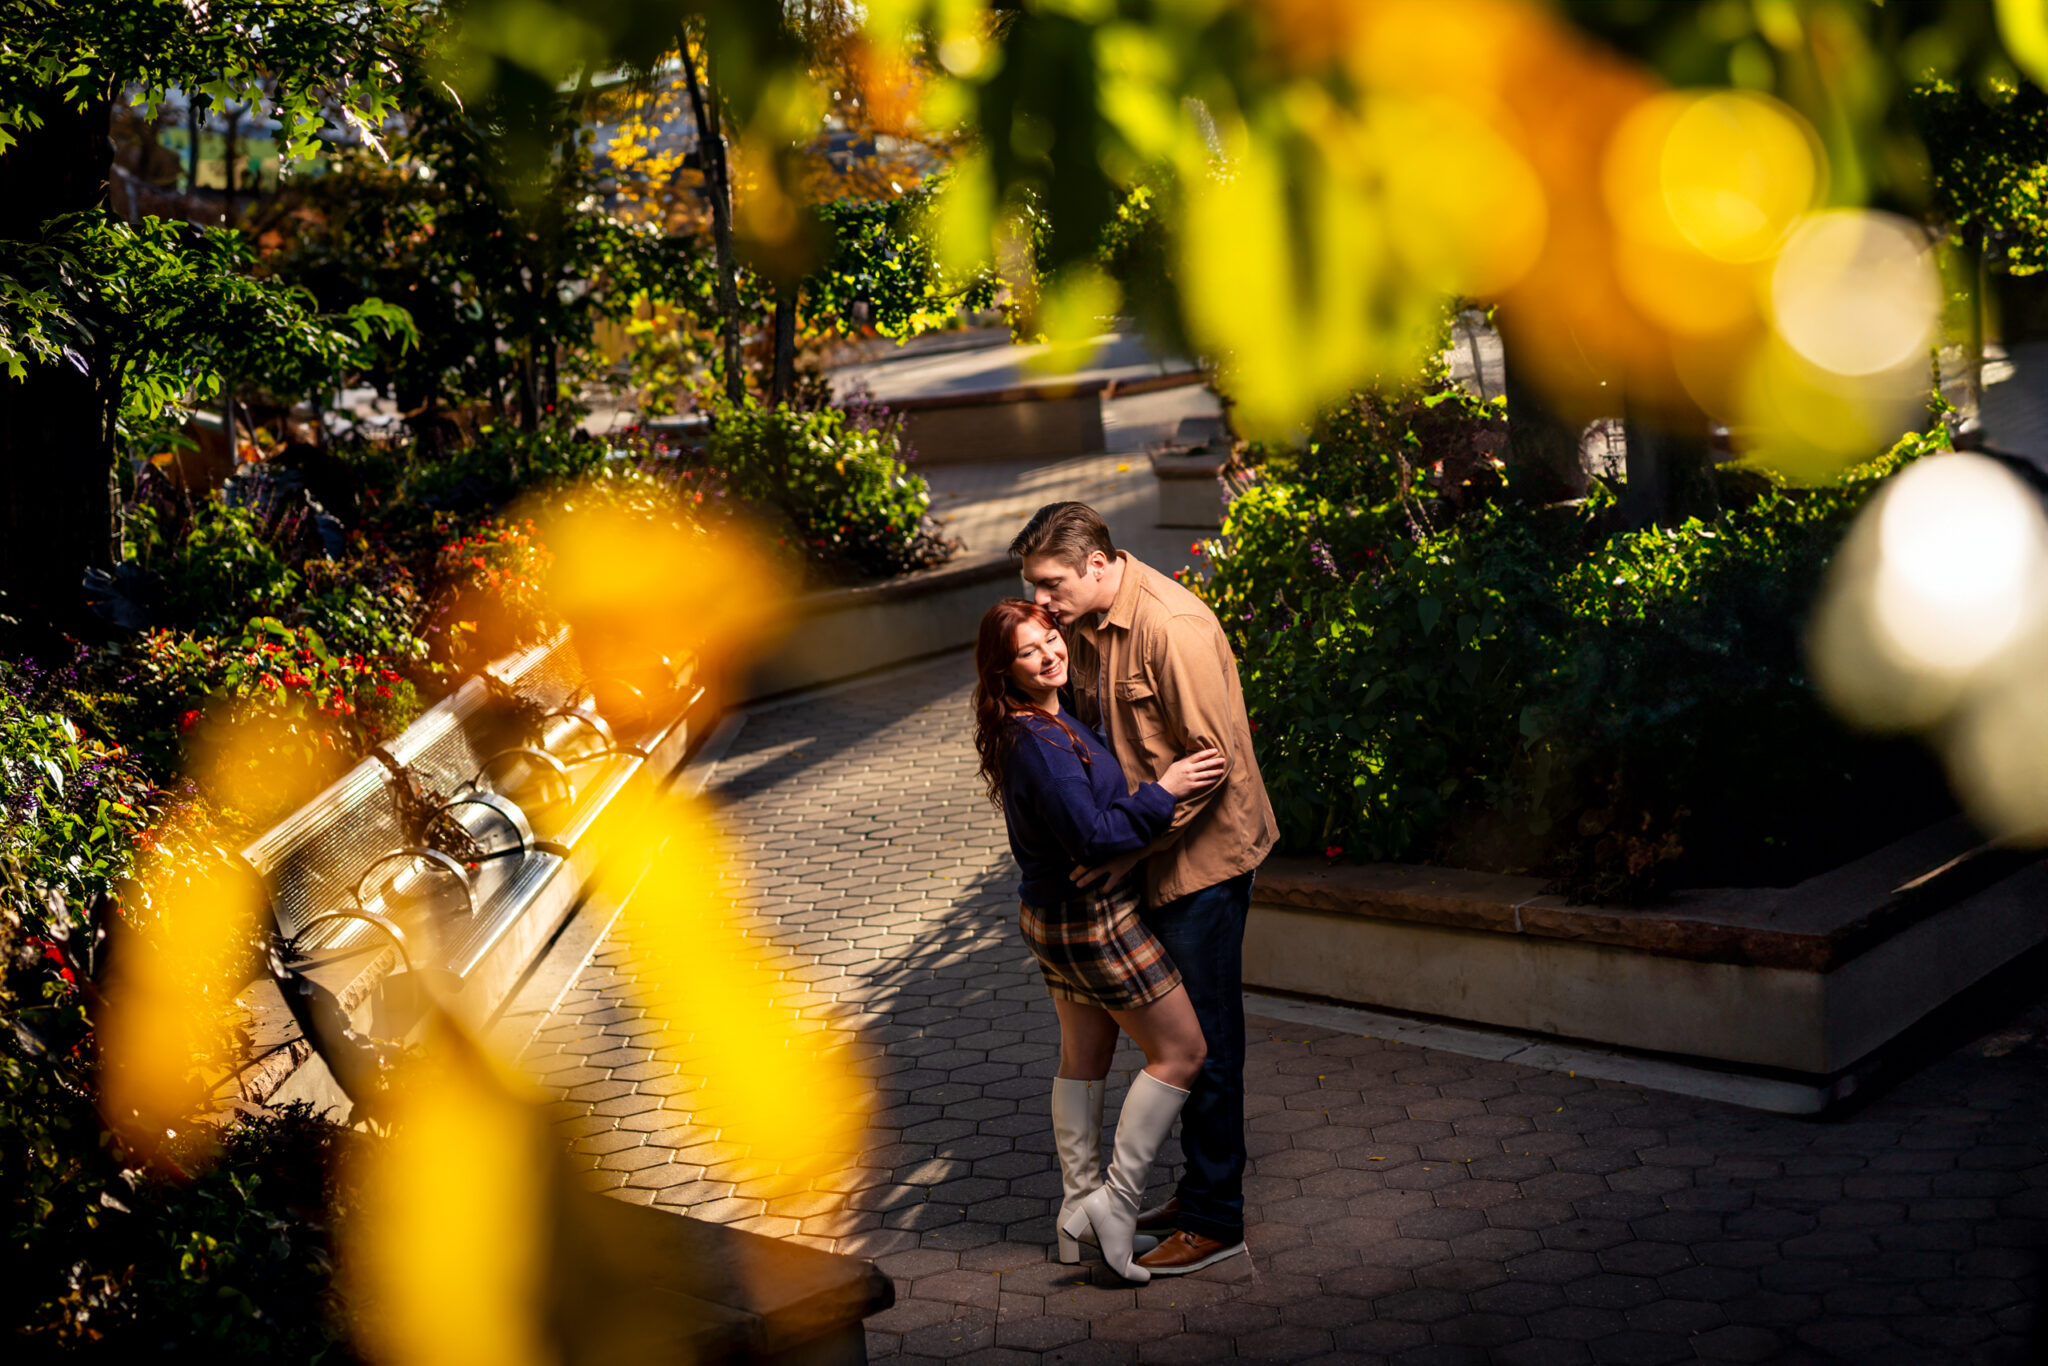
[
  {"x": 260, "y": 641},
  {"x": 1437, "y": 672}
]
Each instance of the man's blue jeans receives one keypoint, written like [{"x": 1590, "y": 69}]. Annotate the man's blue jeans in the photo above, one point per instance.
[{"x": 1204, "y": 932}]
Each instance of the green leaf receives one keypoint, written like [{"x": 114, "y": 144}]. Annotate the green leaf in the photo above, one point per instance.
[{"x": 1429, "y": 611}]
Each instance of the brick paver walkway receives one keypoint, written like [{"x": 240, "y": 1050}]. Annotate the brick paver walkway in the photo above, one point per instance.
[{"x": 1406, "y": 1205}]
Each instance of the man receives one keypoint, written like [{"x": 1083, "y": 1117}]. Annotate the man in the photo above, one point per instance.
[{"x": 1153, "y": 672}]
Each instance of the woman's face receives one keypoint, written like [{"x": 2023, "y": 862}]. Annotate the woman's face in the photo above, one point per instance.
[{"x": 1040, "y": 664}]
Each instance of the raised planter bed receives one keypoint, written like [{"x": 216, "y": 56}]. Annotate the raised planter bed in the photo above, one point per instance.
[
  {"x": 843, "y": 633},
  {"x": 1811, "y": 980},
  {"x": 1190, "y": 488},
  {"x": 1023, "y": 422}
]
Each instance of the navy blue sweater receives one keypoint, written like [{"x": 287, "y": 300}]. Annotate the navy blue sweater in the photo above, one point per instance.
[{"x": 1062, "y": 812}]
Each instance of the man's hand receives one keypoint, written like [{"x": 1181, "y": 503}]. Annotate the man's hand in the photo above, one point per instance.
[{"x": 1109, "y": 873}]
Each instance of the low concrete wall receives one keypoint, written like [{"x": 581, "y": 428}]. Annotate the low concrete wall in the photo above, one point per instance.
[
  {"x": 1768, "y": 1017},
  {"x": 1031, "y": 422},
  {"x": 1812, "y": 979},
  {"x": 1190, "y": 490},
  {"x": 846, "y": 632}
]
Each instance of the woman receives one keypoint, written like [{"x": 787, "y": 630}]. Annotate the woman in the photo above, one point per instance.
[{"x": 1068, "y": 808}]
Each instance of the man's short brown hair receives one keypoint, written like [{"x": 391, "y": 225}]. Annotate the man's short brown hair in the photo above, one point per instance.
[{"x": 1069, "y": 532}]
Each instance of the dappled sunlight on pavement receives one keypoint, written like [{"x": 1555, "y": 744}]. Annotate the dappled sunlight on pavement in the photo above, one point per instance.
[{"x": 1404, "y": 1204}]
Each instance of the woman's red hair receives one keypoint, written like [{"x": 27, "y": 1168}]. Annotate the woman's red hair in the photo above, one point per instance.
[{"x": 996, "y": 696}]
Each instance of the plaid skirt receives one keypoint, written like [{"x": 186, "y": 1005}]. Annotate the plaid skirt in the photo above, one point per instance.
[{"x": 1098, "y": 951}]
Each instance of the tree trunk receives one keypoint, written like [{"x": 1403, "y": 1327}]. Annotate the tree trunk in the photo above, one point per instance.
[
  {"x": 57, "y": 508},
  {"x": 192, "y": 131},
  {"x": 782, "y": 384},
  {"x": 227, "y": 168},
  {"x": 1969, "y": 432},
  {"x": 529, "y": 399},
  {"x": 1670, "y": 473},
  {"x": 1543, "y": 449},
  {"x": 718, "y": 187}
]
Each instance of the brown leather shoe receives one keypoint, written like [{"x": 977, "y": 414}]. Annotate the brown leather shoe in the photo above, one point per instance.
[
  {"x": 1161, "y": 1217},
  {"x": 1183, "y": 1252}
]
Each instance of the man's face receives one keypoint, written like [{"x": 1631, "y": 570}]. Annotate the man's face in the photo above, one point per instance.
[{"x": 1068, "y": 593}]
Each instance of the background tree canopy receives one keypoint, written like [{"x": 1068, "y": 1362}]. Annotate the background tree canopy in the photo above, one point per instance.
[{"x": 1289, "y": 187}]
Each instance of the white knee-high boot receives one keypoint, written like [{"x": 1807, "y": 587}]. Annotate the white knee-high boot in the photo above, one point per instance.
[
  {"x": 1077, "y": 1138},
  {"x": 1111, "y": 1209}
]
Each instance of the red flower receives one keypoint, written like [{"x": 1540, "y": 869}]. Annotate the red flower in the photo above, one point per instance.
[
  {"x": 388, "y": 675},
  {"x": 187, "y": 721},
  {"x": 268, "y": 681},
  {"x": 383, "y": 691},
  {"x": 1195, "y": 548},
  {"x": 1334, "y": 851},
  {"x": 55, "y": 955}
]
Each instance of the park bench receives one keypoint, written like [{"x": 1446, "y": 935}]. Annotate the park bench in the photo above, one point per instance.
[
  {"x": 466, "y": 829},
  {"x": 452, "y": 857}
]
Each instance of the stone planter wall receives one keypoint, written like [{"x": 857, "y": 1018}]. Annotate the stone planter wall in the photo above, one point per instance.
[
  {"x": 1028, "y": 422},
  {"x": 846, "y": 632},
  {"x": 1810, "y": 980}
]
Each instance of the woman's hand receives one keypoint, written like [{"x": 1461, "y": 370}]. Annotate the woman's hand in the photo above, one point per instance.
[{"x": 1202, "y": 769}]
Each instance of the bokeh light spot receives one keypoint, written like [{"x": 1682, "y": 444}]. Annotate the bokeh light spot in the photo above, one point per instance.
[
  {"x": 1856, "y": 292},
  {"x": 1962, "y": 550},
  {"x": 1736, "y": 171}
]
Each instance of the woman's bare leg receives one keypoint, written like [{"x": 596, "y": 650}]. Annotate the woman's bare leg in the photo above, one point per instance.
[
  {"x": 1087, "y": 1040},
  {"x": 1168, "y": 1032}
]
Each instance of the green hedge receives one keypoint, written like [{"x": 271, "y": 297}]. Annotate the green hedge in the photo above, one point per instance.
[
  {"x": 835, "y": 491},
  {"x": 1435, "y": 676},
  {"x": 223, "y": 1249}
]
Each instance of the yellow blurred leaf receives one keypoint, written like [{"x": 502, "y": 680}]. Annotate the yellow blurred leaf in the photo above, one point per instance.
[
  {"x": 168, "y": 1023},
  {"x": 444, "y": 1258},
  {"x": 770, "y": 1077},
  {"x": 2023, "y": 25}
]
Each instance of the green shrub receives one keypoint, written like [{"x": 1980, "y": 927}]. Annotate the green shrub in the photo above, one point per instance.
[
  {"x": 71, "y": 807},
  {"x": 501, "y": 463},
  {"x": 492, "y": 595},
  {"x": 834, "y": 491},
  {"x": 222, "y": 1251},
  {"x": 218, "y": 566},
  {"x": 1379, "y": 701},
  {"x": 316, "y": 707},
  {"x": 366, "y": 603},
  {"x": 1527, "y": 689}
]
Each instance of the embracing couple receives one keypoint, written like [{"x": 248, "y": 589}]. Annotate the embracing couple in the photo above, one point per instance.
[{"x": 1112, "y": 733}]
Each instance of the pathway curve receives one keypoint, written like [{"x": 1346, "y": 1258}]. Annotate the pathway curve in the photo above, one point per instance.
[{"x": 1406, "y": 1205}]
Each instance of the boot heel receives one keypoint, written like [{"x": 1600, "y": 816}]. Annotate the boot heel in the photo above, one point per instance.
[{"x": 1070, "y": 1248}]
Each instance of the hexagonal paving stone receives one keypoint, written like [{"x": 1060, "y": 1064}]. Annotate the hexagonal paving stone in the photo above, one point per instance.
[{"x": 1404, "y": 1205}]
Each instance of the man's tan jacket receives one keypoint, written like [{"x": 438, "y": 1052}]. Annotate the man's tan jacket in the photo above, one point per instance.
[{"x": 1156, "y": 676}]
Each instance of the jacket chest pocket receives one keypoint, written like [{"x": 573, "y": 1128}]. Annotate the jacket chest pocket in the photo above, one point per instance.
[{"x": 1136, "y": 700}]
